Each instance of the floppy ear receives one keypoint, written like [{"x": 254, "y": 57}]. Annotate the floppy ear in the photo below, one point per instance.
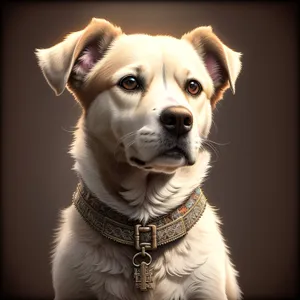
[
  {"x": 222, "y": 63},
  {"x": 77, "y": 54}
]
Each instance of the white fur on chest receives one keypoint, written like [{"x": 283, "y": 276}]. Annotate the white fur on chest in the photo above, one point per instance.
[{"x": 179, "y": 268}]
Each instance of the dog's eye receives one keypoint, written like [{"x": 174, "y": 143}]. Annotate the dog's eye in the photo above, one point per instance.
[
  {"x": 129, "y": 83},
  {"x": 193, "y": 87}
]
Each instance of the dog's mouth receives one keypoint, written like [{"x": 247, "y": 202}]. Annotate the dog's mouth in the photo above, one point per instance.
[
  {"x": 174, "y": 157},
  {"x": 175, "y": 153}
]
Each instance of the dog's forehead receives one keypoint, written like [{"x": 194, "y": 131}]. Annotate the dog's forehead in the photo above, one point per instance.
[{"x": 142, "y": 47}]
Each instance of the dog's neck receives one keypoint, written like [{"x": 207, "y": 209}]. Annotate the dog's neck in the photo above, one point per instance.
[{"x": 133, "y": 192}]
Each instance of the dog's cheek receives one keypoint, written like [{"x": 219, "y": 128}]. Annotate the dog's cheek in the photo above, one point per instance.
[
  {"x": 205, "y": 123},
  {"x": 99, "y": 115},
  {"x": 128, "y": 116},
  {"x": 204, "y": 117}
]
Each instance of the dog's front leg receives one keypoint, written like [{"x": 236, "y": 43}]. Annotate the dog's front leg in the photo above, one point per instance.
[
  {"x": 207, "y": 287},
  {"x": 67, "y": 283}
]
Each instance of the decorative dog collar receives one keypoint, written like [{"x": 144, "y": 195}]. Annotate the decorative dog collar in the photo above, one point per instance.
[{"x": 143, "y": 237}]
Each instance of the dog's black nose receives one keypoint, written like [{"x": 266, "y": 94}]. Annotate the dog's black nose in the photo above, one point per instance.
[{"x": 178, "y": 120}]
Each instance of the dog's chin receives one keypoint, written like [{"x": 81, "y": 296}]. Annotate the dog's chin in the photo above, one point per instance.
[{"x": 166, "y": 162}]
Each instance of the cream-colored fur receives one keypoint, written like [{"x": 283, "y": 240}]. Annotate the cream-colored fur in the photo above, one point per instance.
[{"x": 117, "y": 125}]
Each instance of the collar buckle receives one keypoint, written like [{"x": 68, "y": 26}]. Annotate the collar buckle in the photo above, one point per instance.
[{"x": 145, "y": 236}]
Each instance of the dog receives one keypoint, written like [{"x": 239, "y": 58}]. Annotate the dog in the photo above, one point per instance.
[{"x": 139, "y": 227}]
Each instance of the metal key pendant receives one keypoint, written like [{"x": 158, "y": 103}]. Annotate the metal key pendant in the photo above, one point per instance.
[
  {"x": 143, "y": 278},
  {"x": 142, "y": 275}
]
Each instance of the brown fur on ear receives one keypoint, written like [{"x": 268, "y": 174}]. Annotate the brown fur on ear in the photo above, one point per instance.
[
  {"x": 222, "y": 63},
  {"x": 57, "y": 63}
]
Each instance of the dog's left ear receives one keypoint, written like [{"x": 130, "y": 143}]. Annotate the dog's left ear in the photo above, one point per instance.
[
  {"x": 76, "y": 54},
  {"x": 222, "y": 63}
]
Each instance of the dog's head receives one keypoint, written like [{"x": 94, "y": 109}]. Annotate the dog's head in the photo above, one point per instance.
[{"x": 152, "y": 96}]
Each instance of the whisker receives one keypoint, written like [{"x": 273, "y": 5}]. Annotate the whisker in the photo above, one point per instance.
[
  {"x": 213, "y": 142},
  {"x": 124, "y": 137},
  {"x": 122, "y": 140},
  {"x": 129, "y": 144},
  {"x": 69, "y": 131},
  {"x": 216, "y": 143},
  {"x": 212, "y": 147}
]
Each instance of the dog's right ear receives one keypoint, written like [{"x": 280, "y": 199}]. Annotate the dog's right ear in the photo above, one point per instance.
[
  {"x": 77, "y": 54},
  {"x": 222, "y": 63}
]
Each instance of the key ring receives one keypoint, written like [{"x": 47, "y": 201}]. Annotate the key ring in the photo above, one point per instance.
[{"x": 138, "y": 254}]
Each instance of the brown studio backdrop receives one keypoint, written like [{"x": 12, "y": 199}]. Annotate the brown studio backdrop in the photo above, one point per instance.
[{"x": 253, "y": 179}]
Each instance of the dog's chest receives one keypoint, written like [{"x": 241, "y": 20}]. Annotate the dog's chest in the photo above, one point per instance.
[
  {"x": 106, "y": 266},
  {"x": 111, "y": 271}
]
